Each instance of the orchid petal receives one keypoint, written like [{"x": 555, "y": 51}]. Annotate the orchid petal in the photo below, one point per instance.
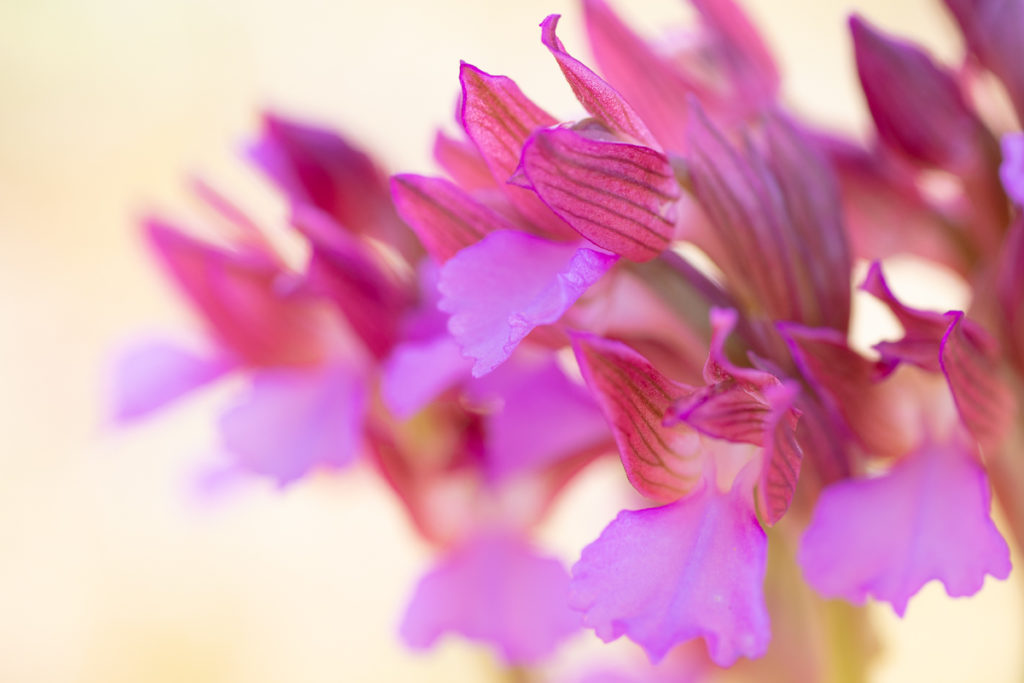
[
  {"x": 462, "y": 162},
  {"x": 916, "y": 104},
  {"x": 496, "y": 589},
  {"x": 499, "y": 118},
  {"x": 993, "y": 29},
  {"x": 501, "y": 288},
  {"x": 443, "y": 215},
  {"x": 293, "y": 420},
  {"x": 417, "y": 372},
  {"x": 619, "y": 196},
  {"x": 345, "y": 270},
  {"x": 318, "y": 167},
  {"x": 970, "y": 361},
  {"x": 655, "y": 88},
  {"x": 236, "y": 294},
  {"x": 593, "y": 92},
  {"x": 662, "y": 463},
  {"x": 745, "y": 56},
  {"x": 665, "y": 575},
  {"x": 545, "y": 417},
  {"x": 1011, "y": 171},
  {"x": 958, "y": 347},
  {"x": 1008, "y": 287},
  {"x": 847, "y": 384},
  {"x": 888, "y": 536},
  {"x": 150, "y": 375},
  {"x": 766, "y": 213}
]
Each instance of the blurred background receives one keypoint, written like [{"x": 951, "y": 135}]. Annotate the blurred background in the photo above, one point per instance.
[{"x": 111, "y": 568}]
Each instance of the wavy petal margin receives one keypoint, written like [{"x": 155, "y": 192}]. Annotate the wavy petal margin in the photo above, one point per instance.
[
  {"x": 928, "y": 518},
  {"x": 662, "y": 463},
  {"x": 665, "y": 575},
  {"x": 496, "y": 589},
  {"x": 498, "y": 290}
]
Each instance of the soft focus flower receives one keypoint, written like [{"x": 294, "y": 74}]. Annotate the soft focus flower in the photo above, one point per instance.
[{"x": 483, "y": 335}]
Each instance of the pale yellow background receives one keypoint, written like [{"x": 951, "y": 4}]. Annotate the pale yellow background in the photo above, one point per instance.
[{"x": 109, "y": 571}]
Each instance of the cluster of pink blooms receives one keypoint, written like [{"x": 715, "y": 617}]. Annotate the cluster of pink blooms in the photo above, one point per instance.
[{"x": 482, "y": 336}]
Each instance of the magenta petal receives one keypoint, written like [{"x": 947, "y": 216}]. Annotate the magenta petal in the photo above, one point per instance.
[
  {"x": 443, "y": 215},
  {"x": 151, "y": 375},
  {"x": 494, "y": 589},
  {"x": 662, "y": 463},
  {"x": 916, "y": 104},
  {"x": 1011, "y": 171},
  {"x": 970, "y": 361},
  {"x": 294, "y": 420},
  {"x": 648, "y": 80},
  {"x": 593, "y": 92},
  {"x": 417, "y": 372},
  {"x": 778, "y": 236},
  {"x": 664, "y": 575},
  {"x": 501, "y": 288},
  {"x": 743, "y": 53},
  {"x": 318, "y": 167},
  {"x": 993, "y": 29},
  {"x": 462, "y": 162},
  {"x": 620, "y": 196},
  {"x": 499, "y": 118},
  {"x": 888, "y": 536},
  {"x": 545, "y": 417}
]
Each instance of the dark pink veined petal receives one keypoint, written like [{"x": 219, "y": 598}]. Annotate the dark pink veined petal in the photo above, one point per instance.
[
  {"x": 970, "y": 361},
  {"x": 961, "y": 349},
  {"x": 499, "y": 119},
  {"x": 593, "y": 92},
  {"x": 444, "y": 216},
  {"x": 993, "y": 29},
  {"x": 916, "y": 104},
  {"x": 462, "y": 162},
  {"x": 620, "y": 196},
  {"x": 293, "y": 420},
  {"x": 665, "y": 575},
  {"x": 418, "y": 371},
  {"x": 545, "y": 417},
  {"x": 150, "y": 375},
  {"x": 783, "y": 456},
  {"x": 496, "y": 589},
  {"x": 651, "y": 83},
  {"x": 1011, "y": 171},
  {"x": 662, "y": 463},
  {"x": 345, "y": 270},
  {"x": 744, "y": 55},
  {"x": 928, "y": 518},
  {"x": 502, "y": 287},
  {"x": 765, "y": 213},
  {"x": 236, "y": 295},
  {"x": 846, "y": 383},
  {"x": 922, "y": 330},
  {"x": 810, "y": 191},
  {"x": 732, "y": 405},
  {"x": 747, "y": 405}
]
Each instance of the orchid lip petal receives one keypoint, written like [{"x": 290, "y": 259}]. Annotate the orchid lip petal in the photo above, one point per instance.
[{"x": 498, "y": 290}]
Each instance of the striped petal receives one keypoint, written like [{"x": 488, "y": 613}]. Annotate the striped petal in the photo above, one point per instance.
[
  {"x": 499, "y": 119},
  {"x": 620, "y": 196},
  {"x": 443, "y": 215},
  {"x": 662, "y": 463},
  {"x": 595, "y": 94},
  {"x": 498, "y": 290}
]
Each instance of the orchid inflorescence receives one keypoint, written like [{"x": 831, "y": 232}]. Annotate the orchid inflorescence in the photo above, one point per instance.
[{"x": 483, "y": 336}]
